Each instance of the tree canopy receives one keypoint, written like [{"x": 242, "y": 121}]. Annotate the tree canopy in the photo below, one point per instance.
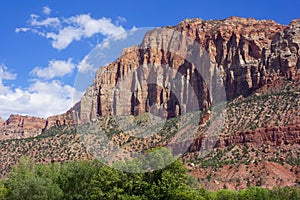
[{"x": 93, "y": 180}]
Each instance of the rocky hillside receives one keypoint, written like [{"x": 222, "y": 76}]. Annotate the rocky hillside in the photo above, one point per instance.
[
  {"x": 57, "y": 144},
  {"x": 259, "y": 145}
]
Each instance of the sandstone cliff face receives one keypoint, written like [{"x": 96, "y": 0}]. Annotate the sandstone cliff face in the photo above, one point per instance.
[
  {"x": 244, "y": 55},
  {"x": 276, "y": 136},
  {"x": 284, "y": 57},
  {"x": 17, "y": 126},
  {"x": 61, "y": 120}
]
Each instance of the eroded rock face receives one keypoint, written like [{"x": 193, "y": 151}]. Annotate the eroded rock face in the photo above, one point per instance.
[
  {"x": 61, "y": 120},
  {"x": 245, "y": 54},
  {"x": 284, "y": 57},
  {"x": 276, "y": 136},
  {"x": 17, "y": 126},
  {"x": 236, "y": 46}
]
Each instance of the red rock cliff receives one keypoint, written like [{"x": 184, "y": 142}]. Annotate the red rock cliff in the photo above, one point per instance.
[
  {"x": 244, "y": 55},
  {"x": 17, "y": 126}
]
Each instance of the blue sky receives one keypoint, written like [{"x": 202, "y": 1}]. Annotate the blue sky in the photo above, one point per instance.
[{"x": 45, "y": 45}]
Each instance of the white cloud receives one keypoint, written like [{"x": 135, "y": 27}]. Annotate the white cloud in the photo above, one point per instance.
[
  {"x": 46, "y": 10},
  {"x": 17, "y": 30},
  {"x": 42, "y": 99},
  {"x": 84, "y": 26},
  {"x": 84, "y": 66},
  {"x": 120, "y": 20},
  {"x": 104, "y": 45},
  {"x": 64, "y": 37},
  {"x": 56, "y": 68},
  {"x": 5, "y": 74},
  {"x": 90, "y": 26},
  {"x": 48, "y": 22},
  {"x": 63, "y": 31}
]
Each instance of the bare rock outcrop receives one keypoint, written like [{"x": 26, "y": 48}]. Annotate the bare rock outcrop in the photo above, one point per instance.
[
  {"x": 244, "y": 55},
  {"x": 276, "y": 136},
  {"x": 284, "y": 57},
  {"x": 17, "y": 126},
  {"x": 65, "y": 119}
]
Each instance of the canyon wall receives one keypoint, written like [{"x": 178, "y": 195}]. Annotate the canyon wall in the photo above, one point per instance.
[
  {"x": 177, "y": 69},
  {"x": 185, "y": 67}
]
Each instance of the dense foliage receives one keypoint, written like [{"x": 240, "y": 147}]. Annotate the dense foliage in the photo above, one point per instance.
[{"x": 93, "y": 180}]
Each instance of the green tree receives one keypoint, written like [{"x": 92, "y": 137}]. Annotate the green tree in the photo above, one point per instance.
[
  {"x": 108, "y": 184},
  {"x": 24, "y": 183},
  {"x": 254, "y": 193},
  {"x": 286, "y": 193},
  {"x": 75, "y": 178},
  {"x": 226, "y": 195},
  {"x": 186, "y": 193},
  {"x": 3, "y": 191}
]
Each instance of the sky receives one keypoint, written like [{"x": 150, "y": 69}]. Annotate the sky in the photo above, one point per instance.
[{"x": 47, "y": 47}]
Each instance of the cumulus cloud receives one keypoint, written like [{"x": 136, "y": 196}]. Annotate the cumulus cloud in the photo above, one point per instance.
[
  {"x": 56, "y": 68},
  {"x": 84, "y": 26},
  {"x": 41, "y": 98},
  {"x": 46, "y": 10},
  {"x": 64, "y": 37},
  {"x": 63, "y": 31}
]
